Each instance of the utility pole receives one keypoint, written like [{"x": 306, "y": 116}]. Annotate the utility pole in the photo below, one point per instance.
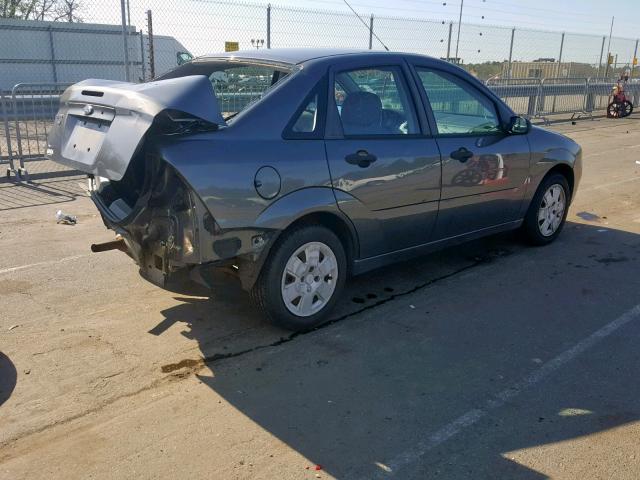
[
  {"x": 606, "y": 71},
  {"x": 459, "y": 25},
  {"x": 601, "y": 53},
  {"x": 560, "y": 56}
]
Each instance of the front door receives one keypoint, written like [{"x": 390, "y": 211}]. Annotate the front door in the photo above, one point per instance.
[
  {"x": 484, "y": 169},
  {"x": 384, "y": 169}
]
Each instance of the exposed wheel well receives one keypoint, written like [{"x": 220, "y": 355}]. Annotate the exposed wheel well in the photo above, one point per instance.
[
  {"x": 567, "y": 172},
  {"x": 334, "y": 223}
]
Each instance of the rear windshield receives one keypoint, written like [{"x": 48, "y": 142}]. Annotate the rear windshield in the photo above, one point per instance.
[{"x": 237, "y": 85}]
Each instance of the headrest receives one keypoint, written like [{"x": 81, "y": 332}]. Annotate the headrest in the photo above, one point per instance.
[{"x": 361, "y": 108}]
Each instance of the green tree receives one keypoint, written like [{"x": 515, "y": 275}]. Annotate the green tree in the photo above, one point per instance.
[{"x": 53, "y": 10}]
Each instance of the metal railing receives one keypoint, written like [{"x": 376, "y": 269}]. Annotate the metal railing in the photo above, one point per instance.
[
  {"x": 541, "y": 98},
  {"x": 124, "y": 41},
  {"x": 6, "y": 145},
  {"x": 521, "y": 94},
  {"x": 28, "y": 110}
]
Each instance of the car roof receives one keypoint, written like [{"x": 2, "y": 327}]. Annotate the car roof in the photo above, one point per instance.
[{"x": 289, "y": 55}]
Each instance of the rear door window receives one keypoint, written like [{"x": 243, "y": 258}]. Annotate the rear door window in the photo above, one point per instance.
[{"x": 374, "y": 101}]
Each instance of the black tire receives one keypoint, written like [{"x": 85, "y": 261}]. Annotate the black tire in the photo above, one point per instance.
[
  {"x": 613, "y": 110},
  {"x": 627, "y": 108},
  {"x": 531, "y": 227},
  {"x": 266, "y": 293}
]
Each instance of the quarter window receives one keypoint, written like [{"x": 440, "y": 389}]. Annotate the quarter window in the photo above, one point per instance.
[
  {"x": 308, "y": 117},
  {"x": 374, "y": 102},
  {"x": 457, "y": 107}
]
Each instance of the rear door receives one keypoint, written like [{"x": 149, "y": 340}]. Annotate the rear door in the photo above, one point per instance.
[
  {"x": 384, "y": 165},
  {"x": 484, "y": 169}
]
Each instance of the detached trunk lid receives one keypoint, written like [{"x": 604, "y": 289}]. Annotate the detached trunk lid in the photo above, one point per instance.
[{"x": 102, "y": 123}]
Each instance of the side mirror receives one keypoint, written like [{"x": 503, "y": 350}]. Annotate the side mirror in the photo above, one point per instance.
[{"x": 518, "y": 125}]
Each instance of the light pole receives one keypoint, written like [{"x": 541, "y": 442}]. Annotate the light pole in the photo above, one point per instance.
[
  {"x": 257, "y": 42},
  {"x": 459, "y": 26}
]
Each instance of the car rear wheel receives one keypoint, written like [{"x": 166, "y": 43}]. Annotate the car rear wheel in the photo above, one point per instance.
[
  {"x": 302, "y": 278},
  {"x": 548, "y": 210}
]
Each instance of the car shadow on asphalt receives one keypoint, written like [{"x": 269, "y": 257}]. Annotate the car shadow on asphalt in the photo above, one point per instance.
[
  {"x": 8, "y": 378},
  {"x": 354, "y": 396},
  {"x": 227, "y": 325}
]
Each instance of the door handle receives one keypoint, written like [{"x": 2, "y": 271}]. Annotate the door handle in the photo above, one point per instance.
[
  {"x": 462, "y": 154},
  {"x": 362, "y": 158}
]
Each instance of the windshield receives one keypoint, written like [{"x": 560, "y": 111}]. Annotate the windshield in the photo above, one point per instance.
[{"x": 236, "y": 84}]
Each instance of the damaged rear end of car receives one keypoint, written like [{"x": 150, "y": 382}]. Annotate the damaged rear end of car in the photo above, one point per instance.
[{"x": 111, "y": 131}]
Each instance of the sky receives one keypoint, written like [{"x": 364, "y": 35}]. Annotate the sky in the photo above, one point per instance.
[
  {"x": 421, "y": 26},
  {"x": 581, "y": 16}
]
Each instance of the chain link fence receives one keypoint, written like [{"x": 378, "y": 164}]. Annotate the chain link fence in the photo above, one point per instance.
[{"x": 57, "y": 42}]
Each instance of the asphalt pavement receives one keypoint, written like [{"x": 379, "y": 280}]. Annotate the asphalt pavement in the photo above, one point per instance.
[{"x": 487, "y": 360}]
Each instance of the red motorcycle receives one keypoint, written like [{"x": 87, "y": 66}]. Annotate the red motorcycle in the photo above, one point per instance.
[{"x": 620, "y": 105}]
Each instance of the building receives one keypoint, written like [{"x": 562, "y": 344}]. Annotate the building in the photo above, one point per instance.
[
  {"x": 548, "y": 68},
  {"x": 59, "y": 52}
]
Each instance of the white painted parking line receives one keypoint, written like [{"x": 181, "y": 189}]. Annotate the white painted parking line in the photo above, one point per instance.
[
  {"x": 39, "y": 264},
  {"x": 413, "y": 455}
]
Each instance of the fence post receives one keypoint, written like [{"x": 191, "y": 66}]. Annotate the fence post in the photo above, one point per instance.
[
  {"x": 142, "y": 63},
  {"x": 152, "y": 60},
  {"x": 125, "y": 39},
  {"x": 371, "y": 32},
  {"x": 449, "y": 41},
  {"x": 513, "y": 34},
  {"x": 52, "y": 54},
  {"x": 269, "y": 26},
  {"x": 604, "y": 39},
  {"x": 553, "y": 106},
  {"x": 533, "y": 102},
  {"x": 590, "y": 97},
  {"x": 14, "y": 102},
  {"x": 542, "y": 98}
]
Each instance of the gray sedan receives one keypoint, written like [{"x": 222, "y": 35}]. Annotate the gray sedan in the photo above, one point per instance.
[{"x": 294, "y": 169}]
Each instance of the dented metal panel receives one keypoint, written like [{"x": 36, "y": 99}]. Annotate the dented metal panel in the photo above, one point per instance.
[{"x": 101, "y": 123}]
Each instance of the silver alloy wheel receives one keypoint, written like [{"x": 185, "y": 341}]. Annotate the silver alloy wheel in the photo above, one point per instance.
[
  {"x": 309, "y": 279},
  {"x": 551, "y": 210}
]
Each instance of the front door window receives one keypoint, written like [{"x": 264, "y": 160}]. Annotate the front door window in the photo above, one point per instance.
[{"x": 457, "y": 108}]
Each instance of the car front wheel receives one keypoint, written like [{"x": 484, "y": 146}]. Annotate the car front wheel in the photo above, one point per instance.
[
  {"x": 302, "y": 278},
  {"x": 548, "y": 210}
]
